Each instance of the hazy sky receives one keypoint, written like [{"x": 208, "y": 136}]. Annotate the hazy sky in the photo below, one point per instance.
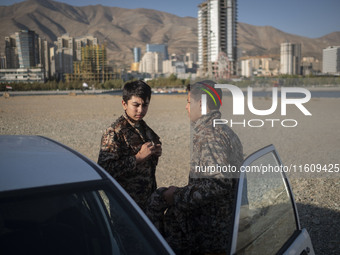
[{"x": 311, "y": 18}]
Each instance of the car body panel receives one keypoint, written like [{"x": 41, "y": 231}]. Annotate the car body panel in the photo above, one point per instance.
[
  {"x": 22, "y": 157},
  {"x": 301, "y": 245}
]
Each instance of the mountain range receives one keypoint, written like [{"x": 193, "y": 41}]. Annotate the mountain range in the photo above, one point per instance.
[{"x": 123, "y": 29}]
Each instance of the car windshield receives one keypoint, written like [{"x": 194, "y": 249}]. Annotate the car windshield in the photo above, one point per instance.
[{"x": 75, "y": 222}]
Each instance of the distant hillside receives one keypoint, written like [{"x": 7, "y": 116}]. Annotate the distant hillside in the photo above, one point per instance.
[
  {"x": 262, "y": 40},
  {"x": 123, "y": 29}
]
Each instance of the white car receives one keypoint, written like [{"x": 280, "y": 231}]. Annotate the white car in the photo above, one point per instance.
[{"x": 54, "y": 200}]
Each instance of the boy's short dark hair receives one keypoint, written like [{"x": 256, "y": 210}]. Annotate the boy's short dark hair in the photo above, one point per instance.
[
  {"x": 138, "y": 89},
  {"x": 196, "y": 90}
]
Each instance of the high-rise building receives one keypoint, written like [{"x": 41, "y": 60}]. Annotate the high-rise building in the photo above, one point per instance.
[
  {"x": 217, "y": 36},
  {"x": 83, "y": 41},
  {"x": 28, "y": 48},
  {"x": 11, "y": 52},
  {"x": 160, "y": 48},
  {"x": 152, "y": 63},
  {"x": 331, "y": 60},
  {"x": 69, "y": 49},
  {"x": 137, "y": 54},
  {"x": 22, "y": 49},
  {"x": 44, "y": 56},
  {"x": 3, "y": 62},
  {"x": 92, "y": 67},
  {"x": 247, "y": 67},
  {"x": 52, "y": 60},
  {"x": 64, "y": 55},
  {"x": 290, "y": 59}
]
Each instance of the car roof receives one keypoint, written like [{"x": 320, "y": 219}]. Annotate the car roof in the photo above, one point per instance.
[{"x": 35, "y": 161}]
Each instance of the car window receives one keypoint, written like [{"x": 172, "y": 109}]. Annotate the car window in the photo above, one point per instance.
[
  {"x": 57, "y": 224},
  {"x": 81, "y": 222},
  {"x": 266, "y": 216},
  {"x": 129, "y": 230}
]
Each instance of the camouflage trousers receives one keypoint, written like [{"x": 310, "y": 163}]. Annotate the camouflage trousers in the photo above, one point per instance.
[
  {"x": 169, "y": 221},
  {"x": 192, "y": 232}
]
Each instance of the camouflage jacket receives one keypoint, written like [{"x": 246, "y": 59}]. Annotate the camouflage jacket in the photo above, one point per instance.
[
  {"x": 209, "y": 198},
  {"x": 119, "y": 145}
]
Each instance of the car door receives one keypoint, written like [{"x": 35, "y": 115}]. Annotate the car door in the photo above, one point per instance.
[{"x": 266, "y": 218}]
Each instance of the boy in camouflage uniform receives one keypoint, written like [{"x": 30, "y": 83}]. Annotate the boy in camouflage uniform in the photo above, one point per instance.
[
  {"x": 198, "y": 217},
  {"x": 130, "y": 148}
]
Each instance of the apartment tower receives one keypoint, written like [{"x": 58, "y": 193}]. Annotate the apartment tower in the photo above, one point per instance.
[
  {"x": 331, "y": 60},
  {"x": 22, "y": 49},
  {"x": 137, "y": 53},
  {"x": 68, "y": 50},
  {"x": 217, "y": 36},
  {"x": 290, "y": 59}
]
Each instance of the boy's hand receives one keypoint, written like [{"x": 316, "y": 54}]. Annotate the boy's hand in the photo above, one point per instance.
[{"x": 145, "y": 152}]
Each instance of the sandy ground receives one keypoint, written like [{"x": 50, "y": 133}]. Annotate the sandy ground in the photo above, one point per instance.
[{"x": 78, "y": 122}]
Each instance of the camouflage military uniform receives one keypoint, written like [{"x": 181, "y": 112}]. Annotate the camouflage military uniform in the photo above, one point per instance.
[
  {"x": 119, "y": 145},
  {"x": 200, "y": 220}
]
